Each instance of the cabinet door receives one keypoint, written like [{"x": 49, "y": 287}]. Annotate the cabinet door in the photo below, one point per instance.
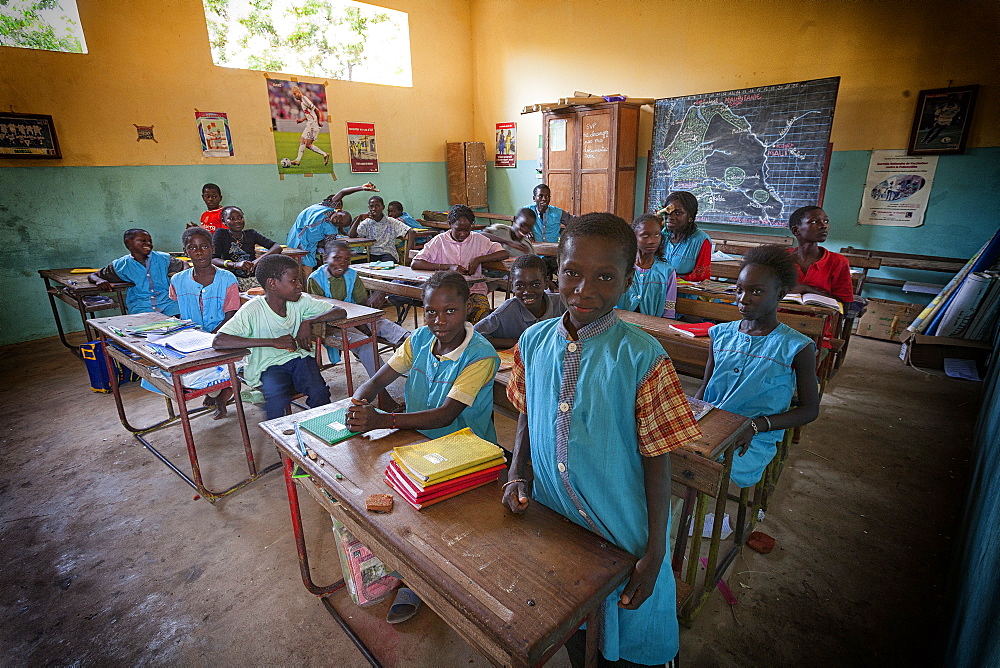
[
  {"x": 596, "y": 164},
  {"x": 559, "y": 149}
]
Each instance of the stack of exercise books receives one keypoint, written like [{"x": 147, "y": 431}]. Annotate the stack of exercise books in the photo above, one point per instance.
[{"x": 426, "y": 473}]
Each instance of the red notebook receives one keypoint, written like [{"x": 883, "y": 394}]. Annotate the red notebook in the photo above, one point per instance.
[
  {"x": 405, "y": 485},
  {"x": 692, "y": 329},
  {"x": 423, "y": 503}
]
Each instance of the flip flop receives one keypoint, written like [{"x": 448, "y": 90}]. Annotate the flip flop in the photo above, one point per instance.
[{"x": 404, "y": 606}]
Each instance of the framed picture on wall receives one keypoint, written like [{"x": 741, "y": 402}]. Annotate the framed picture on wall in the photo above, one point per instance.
[
  {"x": 28, "y": 136},
  {"x": 942, "y": 122}
]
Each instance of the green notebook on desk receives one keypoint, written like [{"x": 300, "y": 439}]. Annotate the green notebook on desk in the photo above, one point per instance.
[{"x": 330, "y": 427}]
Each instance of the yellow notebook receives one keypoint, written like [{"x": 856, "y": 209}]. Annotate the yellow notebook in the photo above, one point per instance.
[
  {"x": 458, "y": 474},
  {"x": 449, "y": 454},
  {"x": 83, "y": 270}
]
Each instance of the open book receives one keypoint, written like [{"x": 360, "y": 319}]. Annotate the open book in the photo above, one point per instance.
[{"x": 813, "y": 299}]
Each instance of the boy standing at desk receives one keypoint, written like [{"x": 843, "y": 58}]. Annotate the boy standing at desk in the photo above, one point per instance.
[
  {"x": 619, "y": 409},
  {"x": 277, "y": 328},
  {"x": 148, "y": 269}
]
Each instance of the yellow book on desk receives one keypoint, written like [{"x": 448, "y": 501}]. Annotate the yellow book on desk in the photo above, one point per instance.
[
  {"x": 454, "y": 453},
  {"x": 458, "y": 474}
]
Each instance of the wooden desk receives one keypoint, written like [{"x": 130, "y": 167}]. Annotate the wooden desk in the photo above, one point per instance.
[
  {"x": 71, "y": 289},
  {"x": 357, "y": 315},
  {"x": 699, "y": 471},
  {"x": 546, "y": 248},
  {"x": 514, "y": 586},
  {"x": 445, "y": 226},
  {"x": 142, "y": 361},
  {"x": 689, "y": 354}
]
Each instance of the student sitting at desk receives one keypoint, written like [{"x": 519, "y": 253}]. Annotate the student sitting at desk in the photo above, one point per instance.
[
  {"x": 654, "y": 283},
  {"x": 516, "y": 237},
  {"x": 530, "y": 304},
  {"x": 236, "y": 247},
  {"x": 600, "y": 408},
  {"x": 819, "y": 270},
  {"x": 277, "y": 328},
  {"x": 688, "y": 249},
  {"x": 209, "y": 297},
  {"x": 462, "y": 250},
  {"x": 756, "y": 365},
  {"x": 336, "y": 280},
  {"x": 211, "y": 219},
  {"x": 319, "y": 220},
  {"x": 148, "y": 269},
  {"x": 395, "y": 210},
  {"x": 549, "y": 220},
  {"x": 382, "y": 228},
  {"x": 450, "y": 371}
]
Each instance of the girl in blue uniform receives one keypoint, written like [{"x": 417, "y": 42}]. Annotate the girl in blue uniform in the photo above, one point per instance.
[
  {"x": 654, "y": 284},
  {"x": 757, "y": 364},
  {"x": 600, "y": 407},
  {"x": 688, "y": 249},
  {"x": 450, "y": 366}
]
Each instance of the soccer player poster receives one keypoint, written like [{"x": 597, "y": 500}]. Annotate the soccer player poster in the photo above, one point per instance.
[
  {"x": 213, "y": 127},
  {"x": 300, "y": 127},
  {"x": 361, "y": 144}
]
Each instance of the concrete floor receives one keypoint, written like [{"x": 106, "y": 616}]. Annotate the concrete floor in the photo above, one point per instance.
[{"x": 109, "y": 560}]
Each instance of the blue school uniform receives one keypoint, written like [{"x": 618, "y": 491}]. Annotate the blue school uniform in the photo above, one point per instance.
[
  {"x": 431, "y": 379},
  {"x": 409, "y": 220},
  {"x": 203, "y": 303},
  {"x": 653, "y": 291},
  {"x": 322, "y": 279},
  {"x": 682, "y": 256},
  {"x": 546, "y": 227},
  {"x": 150, "y": 292},
  {"x": 585, "y": 455},
  {"x": 754, "y": 376},
  {"x": 310, "y": 227}
]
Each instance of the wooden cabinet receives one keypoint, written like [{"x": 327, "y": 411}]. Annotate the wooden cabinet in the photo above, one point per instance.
[
  {"x": 467, "y": 173},
  {"x": 590, "y": 155}
]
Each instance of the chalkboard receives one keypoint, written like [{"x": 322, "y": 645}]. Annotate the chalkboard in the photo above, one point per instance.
[{"x": 751, "y": 157}]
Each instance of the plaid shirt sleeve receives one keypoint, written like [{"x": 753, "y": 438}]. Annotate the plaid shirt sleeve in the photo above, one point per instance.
[
  {"x": 516, "y": 391},
  {"x": 662, "y": 413}
]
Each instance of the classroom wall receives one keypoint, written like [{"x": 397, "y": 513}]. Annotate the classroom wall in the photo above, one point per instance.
[
  {"x": 885, "y": 53},
  {"x": 150, "y": 64}
]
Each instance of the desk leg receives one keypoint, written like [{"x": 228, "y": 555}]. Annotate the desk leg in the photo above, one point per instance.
[
  {"x": 55, "y": 314},
  {"x": 300, "y": 540},
  {"x": 346, "y": 347},
  {"x": 242, "y": 418},
  {"x": 593, "y": 650}
]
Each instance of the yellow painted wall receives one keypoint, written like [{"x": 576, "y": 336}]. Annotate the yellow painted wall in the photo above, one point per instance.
[
  {"x": 150, "y": 64},
  {"x": 885, "y": 52}
]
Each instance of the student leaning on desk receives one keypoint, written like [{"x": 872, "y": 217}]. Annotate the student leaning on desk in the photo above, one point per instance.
[
  {"x": 277, "y": 328},
  {"x": 149, "y": 270}
]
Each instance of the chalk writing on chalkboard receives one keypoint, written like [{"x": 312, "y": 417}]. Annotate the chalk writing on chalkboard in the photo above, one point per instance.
[{"x": 751, "y": 157}]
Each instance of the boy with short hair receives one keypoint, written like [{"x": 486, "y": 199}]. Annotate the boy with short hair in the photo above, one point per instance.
[
  {"x": 149, "y": 270},
  {"x": 603, "y": 462},
  {"x": 317, "y": 221},
  {"x": 395, "y": 210},
  {"x": 211, "y": 220},
  {"x": 530, "y": 304},
  {"x": 549, "y": 219},
  {"x": 516, "y": 237},
  {"x": 382, "y": 228},
  {"x": 277, "y": 328}
]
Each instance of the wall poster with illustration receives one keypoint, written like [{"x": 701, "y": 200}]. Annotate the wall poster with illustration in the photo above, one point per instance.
[{"x": 941, "y": 124}]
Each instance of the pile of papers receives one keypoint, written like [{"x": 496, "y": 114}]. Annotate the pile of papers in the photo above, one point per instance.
[{"x": 426, "y": 473}]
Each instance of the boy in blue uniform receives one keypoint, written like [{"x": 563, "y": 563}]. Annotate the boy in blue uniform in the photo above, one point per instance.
[
  {"x": 548, "y": 219},
  {"x": 316, "y": 222},
  {"x": 277, "y": 328},
  {"x": 619, "y": 409},
  {"x": 757, "y": 364},
  {"x": 394, "y": 209},
  {"x": 150, "y": 271}
]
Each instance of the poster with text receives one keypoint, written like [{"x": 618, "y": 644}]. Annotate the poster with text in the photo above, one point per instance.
[
  {"x": 299, "y": 125},
  {"x": 361, "y": 144},
  {"x": 213, "y": 128},
  {"x": 897, "y": 189},
  {"x": 506, "y": 145}
]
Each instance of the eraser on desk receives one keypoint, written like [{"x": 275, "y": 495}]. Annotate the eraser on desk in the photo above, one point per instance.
[{"x": 379, "y": 503}]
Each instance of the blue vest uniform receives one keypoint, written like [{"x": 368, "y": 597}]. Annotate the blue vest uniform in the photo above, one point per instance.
[
  {"x": 203, "y": 303},
  {"x": 151, "y": 283}
]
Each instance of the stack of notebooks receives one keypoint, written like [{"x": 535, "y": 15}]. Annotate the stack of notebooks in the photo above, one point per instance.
[{"x": 426, "y": 473}]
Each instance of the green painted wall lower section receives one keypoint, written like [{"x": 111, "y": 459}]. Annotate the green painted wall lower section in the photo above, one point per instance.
[
  {"x": 53, "y": 217},
  {"x": 964, "y": 209}
]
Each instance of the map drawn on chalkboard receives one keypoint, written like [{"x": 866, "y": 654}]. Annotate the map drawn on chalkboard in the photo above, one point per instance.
[{"x": 751, "y": 157}]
